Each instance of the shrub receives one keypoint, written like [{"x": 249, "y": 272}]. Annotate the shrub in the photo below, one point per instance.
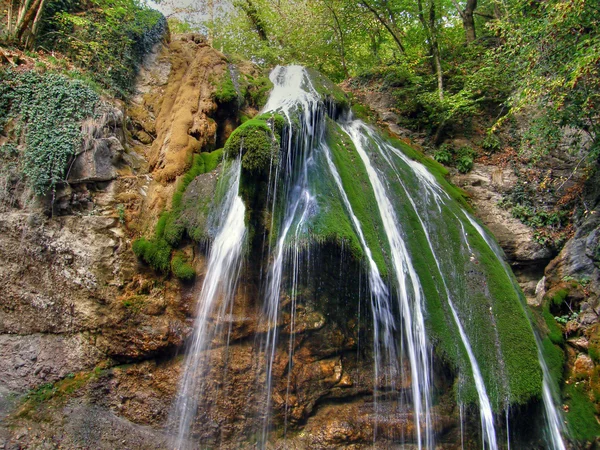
[
  {"x": 107, "y": 38},
  {"x": 443, "y": 156},
  {"x": 464, "y": 164},
  {"x": 491, "y": 143}
]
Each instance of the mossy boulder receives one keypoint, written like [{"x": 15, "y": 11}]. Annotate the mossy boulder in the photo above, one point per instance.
[{"x": 258, "y": 142}]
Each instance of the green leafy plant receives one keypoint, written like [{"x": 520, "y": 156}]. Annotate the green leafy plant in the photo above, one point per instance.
[
  {"x": 464, "y": 164},
  {"x": 181, "y": 269},
  {"x": 50, "y": 107},
  {"x": 106, "y": 38},
  {"x": 443, "y": 156}
]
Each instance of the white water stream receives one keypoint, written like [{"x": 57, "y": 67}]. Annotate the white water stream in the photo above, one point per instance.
[{"x": 218, "y": 290}]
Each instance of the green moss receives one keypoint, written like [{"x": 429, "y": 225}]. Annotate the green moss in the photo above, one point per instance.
[
  {"x": 257, "y": 90},
  {"x": 594, "y": 344},
  {"x": 211, "y": 160},
  {"x": 559, "y": 297},
  {"x": 489, "y": 307},
  {"x": 362, "y": 112},
  {"x": 135, "y": 303},
  {"x": 258, "y": 140},
  {"x": 581, "y": 419},
  {"x": 156, "y": 253},
  {"x": 57, "y": 391},
  {"x": 555, "y": 332},
  {"x": 174, "y": 229},
  {"x": 225, "y": 91},
  {"x": 328, "y": 90},
  {"x": 555, "y": 360},
  {"x": 181, "y": 269},
  {"x": 360, "y": 193},
  {"x": 438, "y": 171}
]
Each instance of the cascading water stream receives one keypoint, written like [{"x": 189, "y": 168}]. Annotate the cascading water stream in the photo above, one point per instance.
[
  {"x": 553, "y": 416},
  {"x": 357, "y": 128},
  {"x": 409, "y": 294},
  {"x": 383, "y": 316},
  {"x": 439, "y": 195},
  {"x": 218, "y": 289},
  {"x": 289, "y": 97}
]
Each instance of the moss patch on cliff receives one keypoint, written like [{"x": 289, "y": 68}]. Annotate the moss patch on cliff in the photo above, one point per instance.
[
  {"x": 58, "y": 391},
  {"x": 225, "y": 91},
  {"x": 357, "y": 187},
  {"x": 328, "y": 90},
  {"x": 581, "y": 419},
  {"x": 258, "y": 142},
  {"x": 173, "y": 226},
  {"x": 555, "y": 360}
]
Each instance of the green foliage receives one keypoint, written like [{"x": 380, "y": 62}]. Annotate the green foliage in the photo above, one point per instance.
[
  {"x": 551, "y": 49},
  {"x": 462, "y": 158},
  {"x": 121, "y": 213},
  {"x": 106, "y": 38},
  {"x": 181, "y": 269},
  {"x": 547, "y": 225},
  {"x": 51, "y": 108},
  {"x": 443, "y": 156},
  {"x": 177, "y": 26},
  {"x": 581, "y": 419},
  {"x": 464, "y": 164},
  {"x": 491, "y": 143}
]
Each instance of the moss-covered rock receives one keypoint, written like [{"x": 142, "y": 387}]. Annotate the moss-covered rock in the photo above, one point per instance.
[
  {"x": 331, "y": 93},
  {"x": 257, "y": 140}
]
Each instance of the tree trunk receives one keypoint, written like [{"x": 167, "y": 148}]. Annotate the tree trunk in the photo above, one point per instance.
[
  {"x": 468, "y": 20},
  {"x": 434, "y": 49},
  {"x": 395, "y": 33},
  {"x": 340, "y": 32},
  {"x": 27, "y": 18}
]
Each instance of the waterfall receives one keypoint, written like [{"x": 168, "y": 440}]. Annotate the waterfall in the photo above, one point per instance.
[
  {"x": 218, "y": 289},
  {"x": 384, "y": 327},
  {"x": 432, "y": 278},
  {"x": 358, "y": 131},
  {"x": 291, "y": 95}
]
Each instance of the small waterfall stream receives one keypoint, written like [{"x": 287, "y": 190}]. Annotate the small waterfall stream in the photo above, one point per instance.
[{"x": 217, "y": 293}]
